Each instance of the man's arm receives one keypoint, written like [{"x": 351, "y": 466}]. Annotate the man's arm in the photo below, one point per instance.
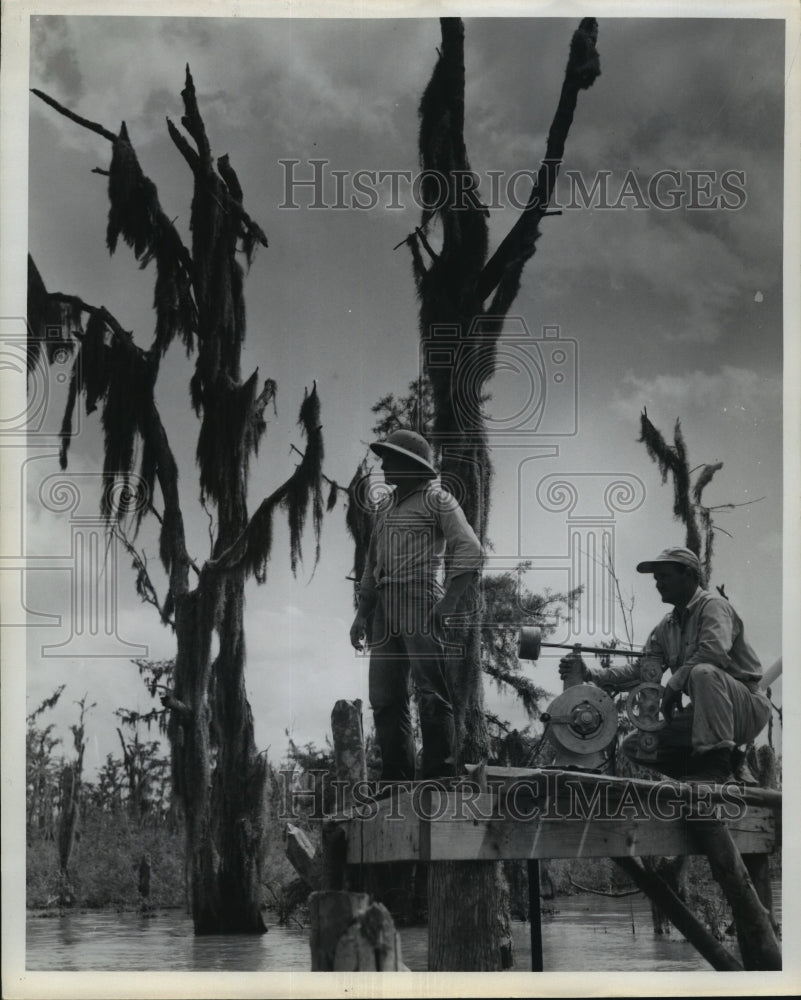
[
  {"x": 621, "y": 676},
  {"x": 367, "y": 598},
  {"x": 463, "y": 554},
  {"x": 627, "y": 675},
  {"x": 717, "y": 630}
]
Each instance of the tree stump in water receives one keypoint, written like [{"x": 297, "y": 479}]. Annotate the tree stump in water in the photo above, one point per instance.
[{"x": 348, "y": 935}]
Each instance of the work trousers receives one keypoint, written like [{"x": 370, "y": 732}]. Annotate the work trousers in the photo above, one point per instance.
[
  {"x": 724, "y": 713},
  {"x": 403, "y": 649}
]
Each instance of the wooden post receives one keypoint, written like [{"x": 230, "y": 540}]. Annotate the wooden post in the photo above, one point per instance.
[
  {"x": 349, "y": 761},
  {"x": 758, "y": 866},
  {"x": 350, "y": 767},
  {"x": 683, "y": 918},
  {"x": 535, "y": 914},
  {"x": 755, "y": 935},
  {"x": 334, "y": 850}
]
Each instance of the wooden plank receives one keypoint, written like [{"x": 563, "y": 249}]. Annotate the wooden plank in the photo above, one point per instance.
[
  {"x": 451, "y": 827},
  {"x": 393, "y": 833},
  {"x": 457, "y": 840},
  {"x": 504, "y": 777}
]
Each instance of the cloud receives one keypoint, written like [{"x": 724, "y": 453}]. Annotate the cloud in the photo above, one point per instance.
[
  {"x": 742, "y": 395},
  {"x": 302, "y": 79}
]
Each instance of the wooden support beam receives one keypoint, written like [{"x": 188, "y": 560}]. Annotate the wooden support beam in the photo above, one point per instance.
[
  {"x": 454, "y": 826},
  {"x": 758, "y": 866},
  {"x": 535, "y": 915},
  {"x": 682, "y": 791},
  {"x": 684, "y": 919},
  {"x": 758, "y": 944},
  {"x": 334, "y": 851}
]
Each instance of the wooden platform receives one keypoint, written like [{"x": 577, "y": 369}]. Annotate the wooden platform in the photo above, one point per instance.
[{"x": 553, "y": 814}]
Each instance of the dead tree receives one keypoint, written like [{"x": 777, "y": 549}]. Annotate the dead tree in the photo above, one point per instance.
[
  {"x": 70, "y": 783},
  {"x": 461, "y": 289},
  {"x": 672, "y": 460},
  {"x": 218, "y": 776}
]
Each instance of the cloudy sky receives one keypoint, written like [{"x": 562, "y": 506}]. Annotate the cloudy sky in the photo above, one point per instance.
[{"x": 677, "y": 309}]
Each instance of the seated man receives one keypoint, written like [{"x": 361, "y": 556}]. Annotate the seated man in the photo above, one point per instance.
[
  {"x": 403, "y": 606},
  {"x": 702, "y": 642}
]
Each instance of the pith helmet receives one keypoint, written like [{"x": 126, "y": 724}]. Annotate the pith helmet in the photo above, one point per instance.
[{"x": 410, "y": 444}]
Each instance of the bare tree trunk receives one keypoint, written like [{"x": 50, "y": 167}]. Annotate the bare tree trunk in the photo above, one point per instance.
[
  {"x": 468, "y": 902},
  {"x": 218, "y": 776},
  {"x": 67, "y": 825}
]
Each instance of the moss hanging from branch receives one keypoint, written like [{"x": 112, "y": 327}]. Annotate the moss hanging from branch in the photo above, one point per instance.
[
  {"x": 306, "y": 486},
  {"x": 672, "y": 460},
  {"x": 51, "y": 324},
  {"x": 303, "y": 490},
  {"x": 705, "y": 517},
  {"x": 359, "y": 522}
]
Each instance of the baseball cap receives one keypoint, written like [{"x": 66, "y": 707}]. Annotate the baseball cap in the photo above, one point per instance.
[{"x": 685, "y": 557}]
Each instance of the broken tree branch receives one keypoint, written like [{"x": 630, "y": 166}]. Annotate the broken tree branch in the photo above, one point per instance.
[
  {"x": 583, "y": 67},
  {"x": 85, "y": 122}
]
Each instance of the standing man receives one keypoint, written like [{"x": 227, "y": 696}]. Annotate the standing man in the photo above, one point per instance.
[
  {"x": 403, "y": 605},
  {"x": 702, "y": 643}
]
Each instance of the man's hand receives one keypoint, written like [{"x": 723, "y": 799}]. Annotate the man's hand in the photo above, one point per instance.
[
  {"x": 569, "y": 665},
  {"x": 671, "y": 700},
  {"x": 358, "y": 633},
  {"x": 439, "y": 613}
]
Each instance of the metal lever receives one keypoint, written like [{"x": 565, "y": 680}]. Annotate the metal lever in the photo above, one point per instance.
[{"x": 530, "y": 643}]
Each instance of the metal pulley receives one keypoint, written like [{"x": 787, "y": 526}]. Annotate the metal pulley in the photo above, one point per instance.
[
  {"x": 642, "y": 706},
  {"x": 582, "y": 720}
]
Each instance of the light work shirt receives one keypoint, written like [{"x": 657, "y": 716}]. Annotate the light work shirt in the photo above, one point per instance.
[
  {"x": 708, "y": 630},
  {"x": 412, "y": 537}
]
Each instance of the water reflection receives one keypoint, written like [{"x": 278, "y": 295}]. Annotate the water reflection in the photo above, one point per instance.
[{"x": 586, "y": 933}]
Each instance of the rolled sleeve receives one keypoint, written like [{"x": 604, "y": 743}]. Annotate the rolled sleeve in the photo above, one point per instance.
[
  {"x": 464, "y": 552},
  {"x": 625, "y": 675}
]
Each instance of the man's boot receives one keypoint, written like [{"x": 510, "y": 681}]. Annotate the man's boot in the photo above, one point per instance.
[
  {"x": 743, "y": 774},
  {"x": 713, "y": 766}
]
